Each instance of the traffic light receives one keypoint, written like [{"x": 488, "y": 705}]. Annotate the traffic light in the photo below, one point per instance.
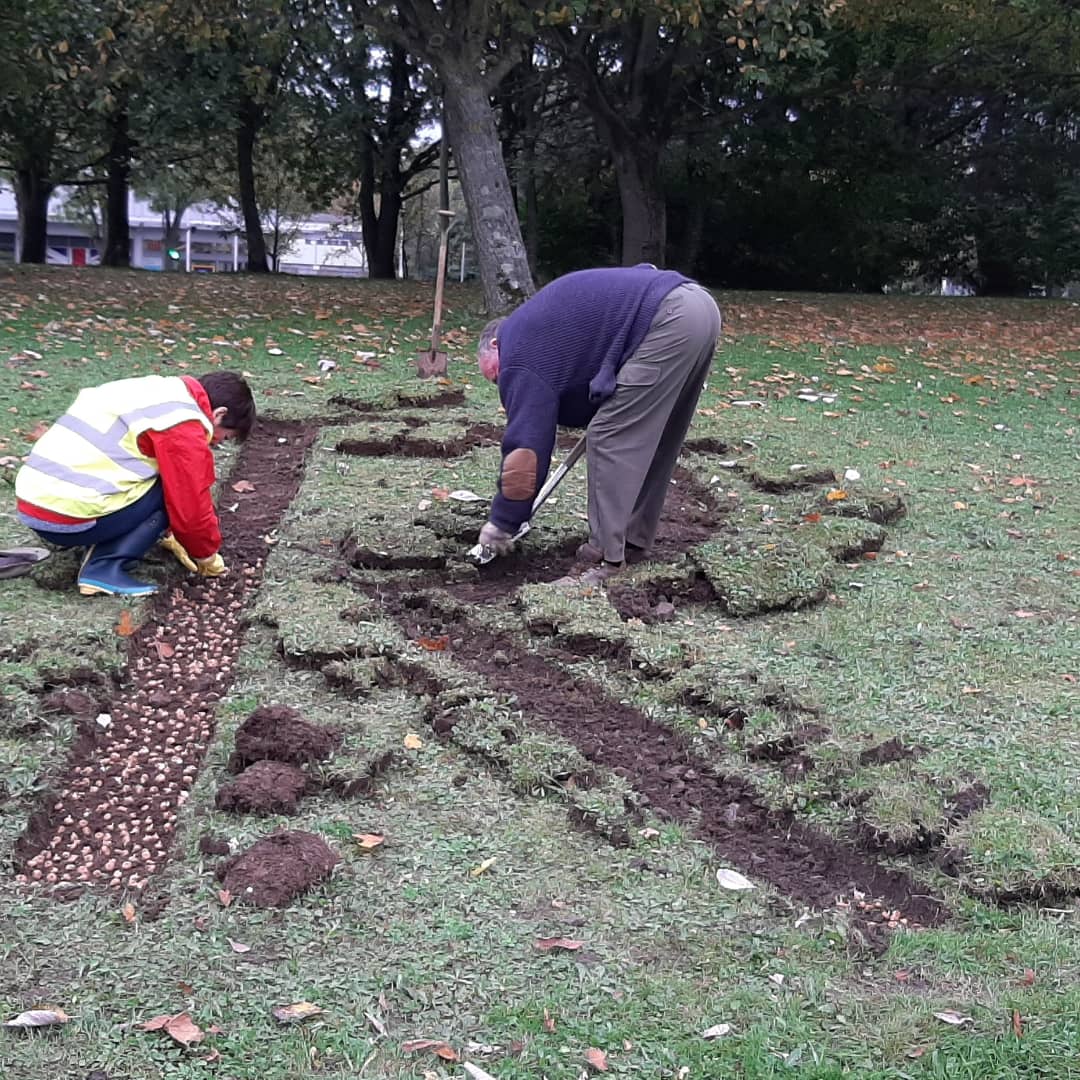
[{"x": 173, "y": 254}]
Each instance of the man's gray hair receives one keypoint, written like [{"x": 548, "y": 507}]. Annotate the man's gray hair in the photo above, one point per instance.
[{"x": 488, "y": 334}]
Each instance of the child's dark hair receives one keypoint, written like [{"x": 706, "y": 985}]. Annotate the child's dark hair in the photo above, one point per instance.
[{"x": 226, "y": 388}]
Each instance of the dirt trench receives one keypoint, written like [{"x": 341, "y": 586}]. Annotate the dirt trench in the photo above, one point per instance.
[
  {"x": 809, "y": 866},
  {"x": 110, "y": 816}
]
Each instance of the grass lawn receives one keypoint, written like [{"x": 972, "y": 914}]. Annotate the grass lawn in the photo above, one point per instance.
[{"x": 872, "y": 638}]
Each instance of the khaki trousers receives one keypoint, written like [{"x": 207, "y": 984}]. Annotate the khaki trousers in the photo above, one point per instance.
[{"x": 636, "y": 436}]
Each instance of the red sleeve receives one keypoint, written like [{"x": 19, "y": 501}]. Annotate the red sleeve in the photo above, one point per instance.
[{"x": 186, "y": 464}]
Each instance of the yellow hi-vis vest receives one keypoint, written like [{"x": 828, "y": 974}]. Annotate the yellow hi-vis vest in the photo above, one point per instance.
[{"x": 88, "y": 463}]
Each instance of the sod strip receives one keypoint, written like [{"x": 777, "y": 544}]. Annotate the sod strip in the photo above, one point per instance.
[
  {"x": 674, "y": 781},
  {"x": 111, "y": 818}
]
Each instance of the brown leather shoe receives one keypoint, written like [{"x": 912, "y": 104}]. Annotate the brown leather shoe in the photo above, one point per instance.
[{"x": 590, "y": 553}]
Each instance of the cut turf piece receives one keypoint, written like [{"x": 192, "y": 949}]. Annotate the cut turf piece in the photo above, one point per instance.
[
  {"x": 1012, "y": 855},
  {"x": 317, "y": 621},
  {"x": 580, "y": 619},
  {"x": 276, "y": 870},
  {"x": 882, "y": 509},
  {"x": 780, "y": 575},
  {"x": 776, "y": 483}
]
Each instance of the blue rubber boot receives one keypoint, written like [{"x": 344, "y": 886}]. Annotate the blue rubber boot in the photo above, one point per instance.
[{"x": 102, "y": 572}]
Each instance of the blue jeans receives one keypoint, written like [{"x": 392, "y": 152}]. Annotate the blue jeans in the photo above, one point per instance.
[{"x": 110, "y": 526}]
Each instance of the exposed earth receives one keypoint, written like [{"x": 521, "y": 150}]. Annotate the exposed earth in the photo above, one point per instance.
[{"x": 111, "y": 817}]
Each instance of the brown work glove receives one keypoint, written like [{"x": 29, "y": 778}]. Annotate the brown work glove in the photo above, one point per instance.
[
  {"x": 211, "y": 566},
  {"x": 170, "y": 543}
]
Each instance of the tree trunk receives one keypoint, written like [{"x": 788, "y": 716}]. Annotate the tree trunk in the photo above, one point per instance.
[
  {"x": 532, "y": 201},
  {"x": 504, "y": 265},
  {"x": 117, "y": 182},
  {"x": 250, "y": 117},
  {"x": 32, "y": 194},
  {"x": 694, "y": 231},
  {"x": 644, "y": 209},
  {"x": 379, "y": 228}
]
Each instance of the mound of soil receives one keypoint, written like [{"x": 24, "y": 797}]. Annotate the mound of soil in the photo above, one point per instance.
[
  {"x": 72, "y": 702},
  {"x": 278, "y": 868},
  {"x": 267, "y": 787},
  {"x": 280, "y": 733}
]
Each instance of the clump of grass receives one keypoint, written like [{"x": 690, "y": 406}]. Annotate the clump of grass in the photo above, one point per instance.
[
  {"x": 580, "y": 618},
  {"x": 321, "y": 622},
  {"x": 751, "y": 578},
  {"x": 904, "y": 811},
  {"x": 1012, "y": 854}
]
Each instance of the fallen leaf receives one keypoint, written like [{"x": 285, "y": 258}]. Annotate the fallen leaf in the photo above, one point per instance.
[
  {"x": 731, "y": 879},
  {"x": 124, "y": 626},
  {"x": 184, "y": 1030},
  {"x": 368, "y": 841},
  {"x": 951, "y": 1016},
  {"x": 242, "y": 486},
  {"x": 180, "y": 1027},
  {"x": 549, "y": 943},
  {"x": 434, "y": 644},
  {"x": 436, "y": 1046},
  {"x": 225, "y": 897},
  {"x": 549, "y": 1021},
  {"x": 413, "y": 741},
  {"x": 717, "y": 1031},
  {"x": 164, "y": 650},
  {"x": 916, "y": 1052},
  {"x": 442, "y": 494},
  {"x": 1017, "y": 1024},
  {"x": 1029, "y": 977},
  {"x": 295, "y": 1013},
  {"x": 36, "y": 1018},
  {"x": 1024, "y": 614},
  {"x": 128, "y": 911},
  {"x": 483, "y": 868},
  {"x": 836, "y": 495},
  {"x": 238, "y": 946},
  {"x": 37, "y": 431},
  {"x": 314, "y": 380},
  {"x": 596, "y": 1058},
  {"x": 812, "y": 518}
]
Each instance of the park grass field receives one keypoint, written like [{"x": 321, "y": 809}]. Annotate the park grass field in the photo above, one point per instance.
[{"x": 863, "y": 628}]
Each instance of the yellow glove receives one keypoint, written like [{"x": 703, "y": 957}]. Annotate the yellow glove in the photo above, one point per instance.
[
  {"x": 170, "y": 543},
  {"x": 211, "y": 566}
]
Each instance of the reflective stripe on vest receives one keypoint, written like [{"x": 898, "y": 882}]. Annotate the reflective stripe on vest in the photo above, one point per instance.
[{"x": 89, "y": 463}]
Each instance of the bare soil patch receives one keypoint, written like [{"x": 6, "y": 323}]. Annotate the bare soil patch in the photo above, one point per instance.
[
  {"x": 672, "y": 779},
  {"x": 280, "y": 733},
  {"x": 277, "y": 869},
  {"x": 110, "y": 817},
  {"x": 410, "y": 445},
  {"x": 267, "y": 787}
]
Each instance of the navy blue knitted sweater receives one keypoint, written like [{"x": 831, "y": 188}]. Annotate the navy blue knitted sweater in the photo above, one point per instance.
[{"x": 559, "y": 354}]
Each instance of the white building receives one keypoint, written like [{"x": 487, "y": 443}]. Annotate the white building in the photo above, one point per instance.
[{"x": 210, "y": 240}]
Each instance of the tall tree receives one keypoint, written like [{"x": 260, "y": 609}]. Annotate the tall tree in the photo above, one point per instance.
[
  {"x": 469, "y": 45},
  {"x": 375, "y": 100},
  {"x": 647, "y": 68},
  {"x": 42, "y": 127}
]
